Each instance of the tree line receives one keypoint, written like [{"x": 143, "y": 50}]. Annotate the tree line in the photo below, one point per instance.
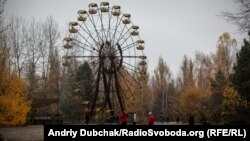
[{"x": 33, "y": 82}]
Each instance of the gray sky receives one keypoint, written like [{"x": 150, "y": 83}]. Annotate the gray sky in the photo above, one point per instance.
[{"x": 170, "y": 28}]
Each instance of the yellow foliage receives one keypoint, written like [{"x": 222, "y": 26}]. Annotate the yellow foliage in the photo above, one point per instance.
[
  {"x": 191, "y": 101},
  {"x": 13, "y": 105},
  {"x": 232, "y": 100}
]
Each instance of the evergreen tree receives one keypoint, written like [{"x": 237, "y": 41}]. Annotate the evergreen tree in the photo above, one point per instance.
[
  {"x": 78, "y": 88},
  {"x": 241, "y": 76},
  {"x": 84, "y": 78},
  {"x": 241, "y": 81}
]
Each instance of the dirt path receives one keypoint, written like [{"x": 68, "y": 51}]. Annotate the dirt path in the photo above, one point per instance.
[{"x": 23, "y": 133}]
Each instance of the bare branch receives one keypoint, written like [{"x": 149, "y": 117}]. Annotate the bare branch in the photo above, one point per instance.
[{"x": 241, "y": 18}]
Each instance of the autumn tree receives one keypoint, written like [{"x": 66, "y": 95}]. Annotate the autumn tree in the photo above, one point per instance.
[
  {"x": 192, "y": 101},
  {"x": 14, "y": 106},
  {"x": 184, "y": 81},
  {"x": 186, "y": 73},
  {"x": 203, "y": 70},
  {"x": 225, "y": 54},
  {"x": 13, "y": 103},
  {"x": 143, "y": 98},
  {"x": 218, "y": 84},
  {"x": 235, "y": 108}
]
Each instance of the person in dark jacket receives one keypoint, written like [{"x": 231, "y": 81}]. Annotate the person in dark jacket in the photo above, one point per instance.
[
  {"x": 191, "y": 119},
  {"x": 87, "y": 119}
]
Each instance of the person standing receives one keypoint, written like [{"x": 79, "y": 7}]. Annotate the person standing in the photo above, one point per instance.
[
  {"x": 134, "y": 122},
  {"x": 123, "y": 118},
  {"x": 191, "y": 119},
  {"x": 151, "y": 119},
  {"x": 177, "y": 119},
  {"x": 87, "y": 119}
]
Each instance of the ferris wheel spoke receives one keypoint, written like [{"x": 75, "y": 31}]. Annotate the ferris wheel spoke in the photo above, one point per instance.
[
  {"x": 126, "y": 80},
  {"x": 84, "y": 48},
  {"x": 126, "y": 39},
  {"x": 122, "y": 35},
  {"x": 116, "y": 27},
  {"x": 94, "y": 25},
  {"x": 84, "y": 56},
  {"x": 131, "y": 76},
  {"x": 128, "y": 46},
  {"x": 90, "y": 35},
  {"x": 102, "y": 26},
  {"x": 124, "y": 91},
  {"x": 119, "y": 35},
  {"x": 132, "y": 56},
  {"x": 109, "y": 23},
  {"x": 90, "y": 46},
  {"x": 136, "y": 68},
  {"x": 129, "y": 68},
  {"x": 126, "y": 83}
]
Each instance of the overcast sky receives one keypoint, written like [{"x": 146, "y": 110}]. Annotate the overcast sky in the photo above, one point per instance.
[{"x": 170, "y": 28}]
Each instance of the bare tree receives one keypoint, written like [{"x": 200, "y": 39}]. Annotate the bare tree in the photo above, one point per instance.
[
  {"x": 187, "y": 73},
  {"x": 33, "y": 40},
  {"x": 242, "y": 17},
  {"x": 2, "y": 3},
  {"x": 51, "y": 37},
  {"x": 50, "y": 62},
  {"x": 161, "y": 80},
  {"x": 203, "y": 70},
  {"x": 2, "y": 26},
  {"x": 16, "y": 40}
]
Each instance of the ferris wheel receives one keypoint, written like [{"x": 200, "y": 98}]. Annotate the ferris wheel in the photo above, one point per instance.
[{"x": 107, "y": 39}]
